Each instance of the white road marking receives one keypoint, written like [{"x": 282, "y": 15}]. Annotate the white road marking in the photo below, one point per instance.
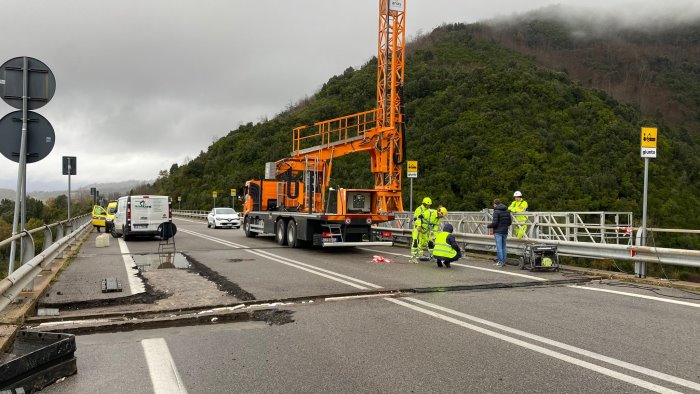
[
  {"x": 190, "y": 220},
  {"x": 660, "y": 299},
  {"x": 561, "y": 345},
  {"x": 321, "y": 269},
  {"x": 348, "y": 280},
  {"x": 498, "y": 271},
  {"x": 136, "y": 285},
  {"x": 539, "y": 349},
  {"x": 214, "y": 239},
  {"x": 161, "y": 367},
  {"x": 501, "y": 271}
]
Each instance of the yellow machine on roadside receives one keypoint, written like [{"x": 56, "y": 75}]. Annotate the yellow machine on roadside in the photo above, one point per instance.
[{"x": 99, "y": 217}]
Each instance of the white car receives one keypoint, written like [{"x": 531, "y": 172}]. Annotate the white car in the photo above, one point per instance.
[{"x": 223, "y": 217}]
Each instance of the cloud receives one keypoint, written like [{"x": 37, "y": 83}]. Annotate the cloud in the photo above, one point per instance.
[{"x": 144, "y": 84}]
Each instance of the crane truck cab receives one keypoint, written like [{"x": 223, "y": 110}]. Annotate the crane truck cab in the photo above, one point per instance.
[
  {"x": 141, "y": 215},
  {"x": 290, "y": 211}
]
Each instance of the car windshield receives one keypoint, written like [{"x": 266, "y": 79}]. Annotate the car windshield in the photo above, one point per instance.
[
  {"x": 224, "y": 211},
  {"x": 111, "y": 210}
]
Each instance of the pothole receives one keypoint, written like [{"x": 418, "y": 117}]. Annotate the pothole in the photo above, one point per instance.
[{"x": 149, "y": 262}]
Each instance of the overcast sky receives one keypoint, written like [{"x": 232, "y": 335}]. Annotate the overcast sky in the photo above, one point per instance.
[{"x": 143, "y": 84}]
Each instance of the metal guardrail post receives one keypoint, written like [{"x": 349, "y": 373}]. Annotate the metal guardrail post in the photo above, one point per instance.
[{"x": 48, "y": 238}]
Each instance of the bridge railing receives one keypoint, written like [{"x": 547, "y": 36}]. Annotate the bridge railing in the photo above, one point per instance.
[
  {"x": 30, "y": 264},
  {"x": 608, "y": 235},
  {"x": 191, "y": 213},
  {"x": 596, "y": 227}
]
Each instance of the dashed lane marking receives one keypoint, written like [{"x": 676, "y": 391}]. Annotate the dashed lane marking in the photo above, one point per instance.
[{"x": 161, "y": 367}]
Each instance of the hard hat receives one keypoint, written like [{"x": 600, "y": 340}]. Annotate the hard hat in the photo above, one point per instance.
[
  {"x": 442, "y": 211},
  {"x": 427, "y": 201},
  {"x": 517, "y": 194}
]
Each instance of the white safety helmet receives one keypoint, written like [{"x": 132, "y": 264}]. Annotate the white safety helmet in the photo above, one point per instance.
[{"x": 517, "y": 194}]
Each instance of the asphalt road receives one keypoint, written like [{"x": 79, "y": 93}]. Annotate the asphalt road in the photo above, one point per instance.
[{"x": 356, "y": 326}]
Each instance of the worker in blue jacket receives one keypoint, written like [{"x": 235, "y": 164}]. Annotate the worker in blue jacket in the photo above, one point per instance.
[{"x": 446, "y": 248}]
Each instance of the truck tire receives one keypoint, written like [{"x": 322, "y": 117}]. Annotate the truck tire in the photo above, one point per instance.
[
  {"x": 292, "y": 238},
  {"x": 281, "y": 232},
  {"x": 246, "y": 228}
]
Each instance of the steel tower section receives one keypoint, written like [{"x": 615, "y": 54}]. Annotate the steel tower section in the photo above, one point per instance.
[{"x": 389, "y": 152}]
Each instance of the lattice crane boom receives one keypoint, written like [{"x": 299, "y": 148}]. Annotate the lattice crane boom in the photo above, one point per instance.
[{"x": 379, "y": 131}]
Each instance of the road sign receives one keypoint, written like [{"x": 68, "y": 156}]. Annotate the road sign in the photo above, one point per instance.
[
  {"x": 649, "y": 137},
  {"x": 179, "y": 198},
  {"x": 649, "y": 152},
  {"x": 69, "y": 165},
  {"x": 214, "y": 194},
  {"x": 41, "y": 84},
  {"x": 40, "y": 136},
  {"x": 93, "y": 191},
  {"x": 412, "y": 169},
  {"x": 233, "y": 192}
]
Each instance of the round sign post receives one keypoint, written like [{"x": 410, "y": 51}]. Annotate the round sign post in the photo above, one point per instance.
[{"x": 25, "y": 83}]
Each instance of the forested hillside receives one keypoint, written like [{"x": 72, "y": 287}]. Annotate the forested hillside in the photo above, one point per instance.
[{"x": 484, "y": 120}]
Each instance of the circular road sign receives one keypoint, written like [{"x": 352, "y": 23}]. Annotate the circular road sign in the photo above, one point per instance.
[
  {"x": 41, "y": 84},
  {"x": 40, "y": 136}
]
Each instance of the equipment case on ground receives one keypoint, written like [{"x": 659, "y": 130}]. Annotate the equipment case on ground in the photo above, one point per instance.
[{"x": 540, "y": 256}]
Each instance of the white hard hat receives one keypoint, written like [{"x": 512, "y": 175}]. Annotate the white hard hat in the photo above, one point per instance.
[{"x": 517, "y": 194}]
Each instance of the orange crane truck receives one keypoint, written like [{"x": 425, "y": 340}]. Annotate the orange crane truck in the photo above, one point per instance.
[
  {"x": 295, "y": 202},
  {"x": 282, "y": 208}
]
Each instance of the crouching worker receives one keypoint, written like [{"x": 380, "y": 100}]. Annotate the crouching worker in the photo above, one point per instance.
[{"x": 446, "y": 248}]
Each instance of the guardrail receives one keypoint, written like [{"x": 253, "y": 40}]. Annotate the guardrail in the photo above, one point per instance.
[
  {"x": 578, "y": 234},
  {"x": 596, "y": 227},
  {"x": 601, "y": 234},
  {"x": 32, "y": 265},
  {"x": 191, "y": 213}
]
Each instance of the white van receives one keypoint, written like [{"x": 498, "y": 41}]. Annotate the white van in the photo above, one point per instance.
[{"x": 141, "y": 215}]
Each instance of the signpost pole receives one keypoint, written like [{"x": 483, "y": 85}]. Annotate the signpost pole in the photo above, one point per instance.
[
  {"x": 69, "y": 169},
  {"x": 640, "y": 267},
  {"x": 42, "y": 138},
  {"x": 410, "y": 203},
  {"x": 411, "y": 172},
  {"x": 19, "y": 197},
  {"x": 649, "y": 143}
]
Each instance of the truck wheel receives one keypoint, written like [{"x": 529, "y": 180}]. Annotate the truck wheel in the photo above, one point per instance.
[
  {"x": 292, "y": 239},
  {"x": 281, "y": 232},
  {"x": 246, "y": 228},
  {"x": 114, "y": 232}
]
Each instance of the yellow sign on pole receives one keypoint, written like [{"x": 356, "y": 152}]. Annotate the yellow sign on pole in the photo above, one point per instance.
[
  {"x": 233, "y": 192},
  {"x": 179, "y": 198},
  {"x": 214, "y": 194},
  {"x": 649, "y": 137},
  {"x": 412, "y": 168}
]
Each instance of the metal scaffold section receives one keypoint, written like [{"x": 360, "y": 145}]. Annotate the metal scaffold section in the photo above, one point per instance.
[{"x": 379, "y": 131}]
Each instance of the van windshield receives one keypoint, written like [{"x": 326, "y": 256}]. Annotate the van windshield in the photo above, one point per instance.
[{"x": 225, "y": 211}]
